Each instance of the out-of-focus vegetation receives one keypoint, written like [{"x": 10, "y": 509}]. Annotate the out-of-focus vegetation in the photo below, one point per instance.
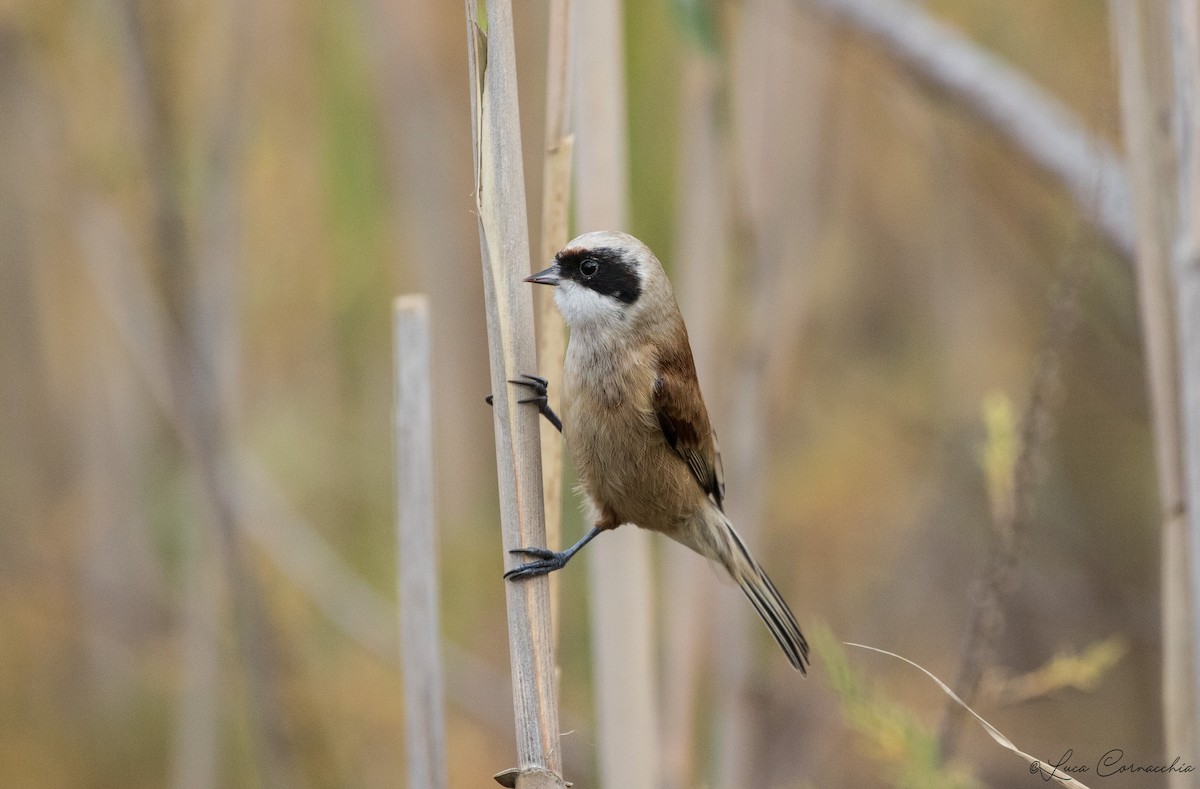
[
  {"x": 205, "y": 210},
  {"x": 906, "y": 749}
]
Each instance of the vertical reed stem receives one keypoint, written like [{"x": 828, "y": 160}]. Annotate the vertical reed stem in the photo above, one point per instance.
[
  {"x": 504, "y": 247},
  {"x": 552, "y": 341},
  {"x": 622, "y": 598},
  {"x": 416, "y": 564},
  {"x": 1139, "y": 34}
]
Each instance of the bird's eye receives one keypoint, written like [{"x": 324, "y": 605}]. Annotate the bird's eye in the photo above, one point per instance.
[{"x": 589, "y": 267}]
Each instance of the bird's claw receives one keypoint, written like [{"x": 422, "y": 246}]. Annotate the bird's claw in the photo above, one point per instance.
[
  {"x": 540, "y": 553},
  {"x": 539, "y": 385},
  {"x": 547, "y": 561},
  {"x": 540, "y": 398}
]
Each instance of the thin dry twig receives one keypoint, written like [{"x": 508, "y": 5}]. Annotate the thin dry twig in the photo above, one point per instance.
[{"x": 1036, "y": 766}]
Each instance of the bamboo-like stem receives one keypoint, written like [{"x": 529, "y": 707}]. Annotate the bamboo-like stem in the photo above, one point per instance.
[
  {"x": 504, "y": 248},
  {"x": 551, "y": 340},
  {"x": 1185, "y": 28},
  {"x": 622, "y": 598},
  {"x": 1028, "y": 117},
  {"x": 1139, "y": 32},
  {"x": 757, "y": 51},
  {"x": 416, "y": 555},
  {"x": 702, "y": 240}
]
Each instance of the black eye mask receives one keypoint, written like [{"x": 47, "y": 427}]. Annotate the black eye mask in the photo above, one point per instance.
[{"x": 612, "y": 275}]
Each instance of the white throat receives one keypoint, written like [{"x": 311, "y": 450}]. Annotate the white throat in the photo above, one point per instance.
[{"x": 585, "y": 308}]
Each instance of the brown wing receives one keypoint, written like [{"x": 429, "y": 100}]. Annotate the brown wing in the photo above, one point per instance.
[{"x": 685, "y": 426}]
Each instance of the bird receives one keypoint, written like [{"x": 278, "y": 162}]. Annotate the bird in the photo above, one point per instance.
[{"x": 634, "y": 421}]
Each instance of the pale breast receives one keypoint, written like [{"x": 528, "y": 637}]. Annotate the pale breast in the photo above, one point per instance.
[{"x": 615, "y": 441}]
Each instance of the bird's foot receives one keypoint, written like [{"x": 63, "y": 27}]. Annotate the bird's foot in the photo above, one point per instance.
[
  {"x": 547, "y": 561},
  {"x": 539, "y": 385},
  {"x": 540, "y": 398}
]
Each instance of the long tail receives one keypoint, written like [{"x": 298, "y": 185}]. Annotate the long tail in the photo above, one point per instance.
[{"x": 736, "y": 558}]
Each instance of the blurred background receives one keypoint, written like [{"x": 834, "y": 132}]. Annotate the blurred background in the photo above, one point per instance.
[{"x": 206, "y": 208}]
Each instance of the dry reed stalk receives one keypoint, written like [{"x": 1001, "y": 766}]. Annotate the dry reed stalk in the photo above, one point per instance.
[
  {"x": 759, "y": 46},
  {"x": 556, "y": 201},
  {"x": 622, "y": 598},
  {"x": 1185, "y": 29},
  {"x": 1140, "y": 36},
  {"x": 702, "y": 240},
  {"x": 416, "y": 555},
  {"x": 504, "y": 248}
]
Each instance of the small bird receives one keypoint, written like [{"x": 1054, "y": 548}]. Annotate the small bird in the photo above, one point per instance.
[{"x": 634, "y": 422}]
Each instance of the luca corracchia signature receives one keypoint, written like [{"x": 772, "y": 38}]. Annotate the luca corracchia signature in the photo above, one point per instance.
[{"x": 1113, "y": 762}]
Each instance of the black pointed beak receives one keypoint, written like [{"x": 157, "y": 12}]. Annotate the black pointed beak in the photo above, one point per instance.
[{"x": 550, "y": 276}]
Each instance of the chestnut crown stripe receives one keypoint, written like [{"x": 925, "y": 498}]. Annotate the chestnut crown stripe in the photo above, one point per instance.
[{"x": 604, "y": 270}]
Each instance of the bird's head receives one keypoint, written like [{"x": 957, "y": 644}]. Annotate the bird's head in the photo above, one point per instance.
[{"x": 604, "y": 279}]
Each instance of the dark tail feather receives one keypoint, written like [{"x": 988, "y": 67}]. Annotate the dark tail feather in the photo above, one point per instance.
[{"x": 768, "y": 603}]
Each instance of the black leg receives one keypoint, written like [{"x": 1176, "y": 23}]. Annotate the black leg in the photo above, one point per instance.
[
  {"x": 540, "y": 388},
  {"x": 547, "y": 560}
]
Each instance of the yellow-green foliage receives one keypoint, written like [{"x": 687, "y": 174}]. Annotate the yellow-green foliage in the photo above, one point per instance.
[
  {"x": 1065, "y": 670},
  {"x": 892, "y": 735},
  {"x": 998, "y": 455}
]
